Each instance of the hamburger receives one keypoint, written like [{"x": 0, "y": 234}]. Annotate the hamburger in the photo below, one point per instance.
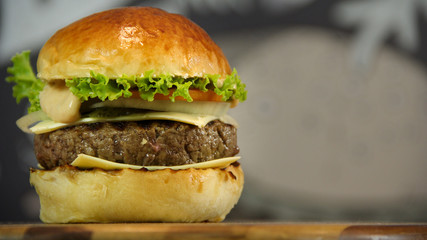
[{"x": 129, "y": 115}]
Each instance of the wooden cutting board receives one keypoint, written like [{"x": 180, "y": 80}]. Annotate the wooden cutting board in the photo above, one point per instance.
[{"x": 214, "y": 231}]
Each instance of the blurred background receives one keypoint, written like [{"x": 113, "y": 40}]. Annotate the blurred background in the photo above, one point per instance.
[{"x": 335, "y": 125}]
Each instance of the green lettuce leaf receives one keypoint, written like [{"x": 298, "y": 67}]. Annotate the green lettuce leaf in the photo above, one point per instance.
[
  {"x": 27, "y": 85},
  {"x": 232, "y": 87},
  {"x": 100, "y": 86}
]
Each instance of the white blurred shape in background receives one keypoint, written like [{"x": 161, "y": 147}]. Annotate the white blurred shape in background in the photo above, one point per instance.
[{"x": 376, "y": 21}]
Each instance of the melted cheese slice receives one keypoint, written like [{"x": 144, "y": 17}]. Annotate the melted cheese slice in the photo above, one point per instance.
[
  {"x": 194, "y": 119},
  {"x": 85, "y": 162}
]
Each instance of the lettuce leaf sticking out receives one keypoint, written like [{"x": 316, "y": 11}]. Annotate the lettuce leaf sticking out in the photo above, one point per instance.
[
  {"x": 27, "y": 85},
  {"x": 232, "y": 87}
]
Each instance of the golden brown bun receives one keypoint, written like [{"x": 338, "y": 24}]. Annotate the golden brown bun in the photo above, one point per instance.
[
  {"x": 193, "y": 195},
  {"x": 131, "y": 41}
]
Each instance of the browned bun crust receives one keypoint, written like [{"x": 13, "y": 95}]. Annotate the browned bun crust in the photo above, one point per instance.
[
  {"x": 131, "y": 41},
  {"x": 68, "y": 194}
]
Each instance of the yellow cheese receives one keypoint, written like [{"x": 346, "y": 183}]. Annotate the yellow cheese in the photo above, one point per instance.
[
  {"x": 194, "y": 119},
  {"x": 85, "y": 161}
]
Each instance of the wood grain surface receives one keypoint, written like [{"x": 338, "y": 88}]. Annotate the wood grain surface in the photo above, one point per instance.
[{"x": 317, "y": 231}]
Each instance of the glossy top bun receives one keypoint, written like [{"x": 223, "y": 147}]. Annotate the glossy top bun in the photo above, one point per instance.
[{"x": 131, "y": 41}]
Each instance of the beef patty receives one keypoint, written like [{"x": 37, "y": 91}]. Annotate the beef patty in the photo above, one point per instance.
[{"x": 145, "y": 143}]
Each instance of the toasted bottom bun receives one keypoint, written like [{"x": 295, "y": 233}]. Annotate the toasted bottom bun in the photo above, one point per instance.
[{"x": 68, "y": 194}]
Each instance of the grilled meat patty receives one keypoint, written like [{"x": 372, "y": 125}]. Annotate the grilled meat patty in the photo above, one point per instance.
[{"x": 145, "y": 143}]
